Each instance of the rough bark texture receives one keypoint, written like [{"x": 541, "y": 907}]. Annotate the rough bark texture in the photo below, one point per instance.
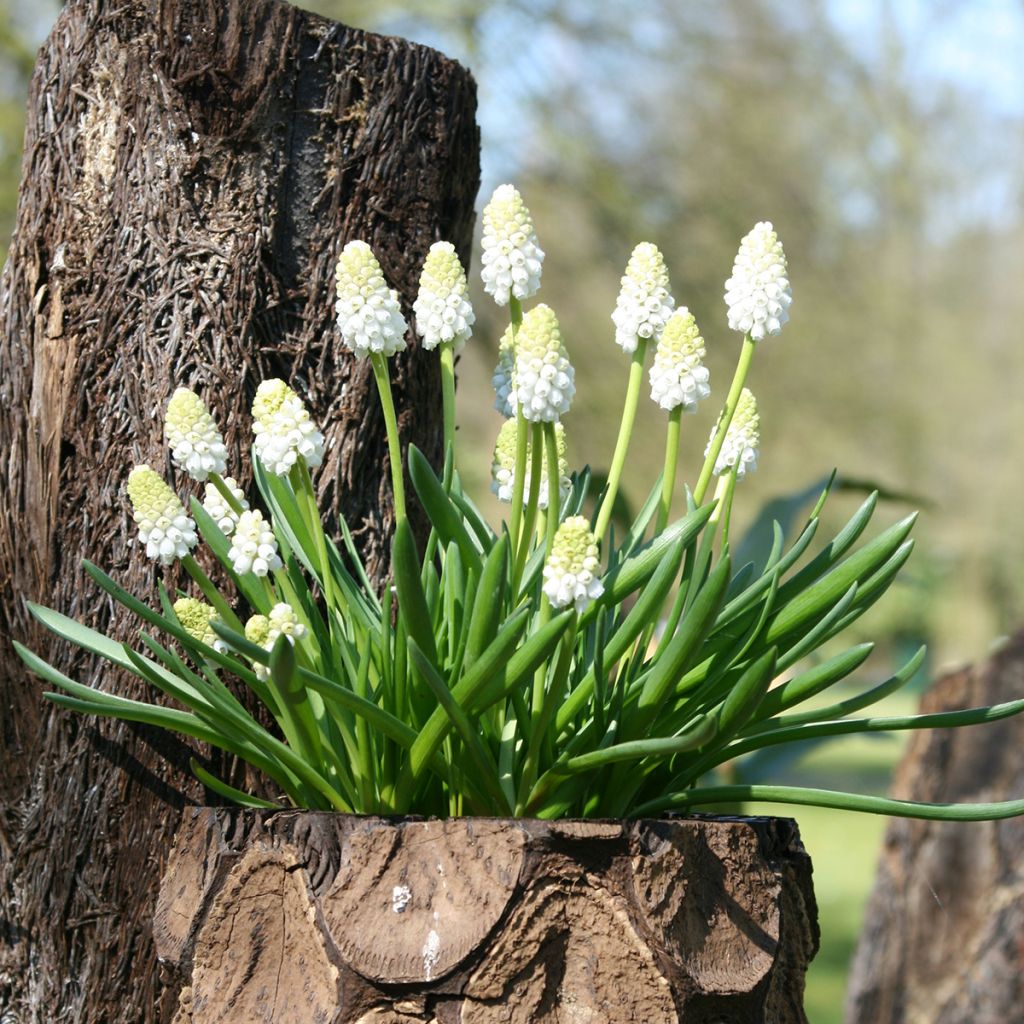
[
  {"x": 943, "y": 940},
  {"x": 315, "y": 917},
  {"x": 192, "y": 169}
]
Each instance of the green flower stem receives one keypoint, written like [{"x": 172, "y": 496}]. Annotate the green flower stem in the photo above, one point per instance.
[
  {"x": 532, "y": 500},
  {"x": 211, "y": 593},
  {"x": 724, "y": 490},
  {"x": 668, "y": 479},
  {"x": 725, "y": 418},
  {"x": 302, "y": 485},
  {"x": 636, "y": 375},
  {"x": 448, "y": 399},
  {"x": 522, "y": 440},
  {"x": 554, "y": 491},
  {"x": 545, "y": 704},
  {"x": 233, "y": 503},
  {"x": 380, "y": 372}
]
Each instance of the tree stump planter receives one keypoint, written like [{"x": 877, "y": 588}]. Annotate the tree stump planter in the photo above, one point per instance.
[{"x": 298, "y": 916}]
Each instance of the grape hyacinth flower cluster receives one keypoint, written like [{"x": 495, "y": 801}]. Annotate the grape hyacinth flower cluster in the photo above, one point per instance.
[
  {"x": 757, "y": 294},
  {"x": 165, "y": 528},
  {"x": 512, "y": 258},
  {"x": 645, "y": 302},
  {"x": 442, "y": 308},
  {"x": 543, "y": 379},
  {"x": 195, "y": 442},
  {"x": 285, "y": 433},
  {"x": 678, "y": 376},
  {"x": 570, "y": 572}
]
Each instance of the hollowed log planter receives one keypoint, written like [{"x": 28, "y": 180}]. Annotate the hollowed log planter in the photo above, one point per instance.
[{"x": 301, "y": 916}]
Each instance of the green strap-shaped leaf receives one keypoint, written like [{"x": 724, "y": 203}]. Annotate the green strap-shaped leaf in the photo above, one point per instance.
[
  {"x": 486, "y": 770},
  {"x": 810, "y": 683},
  {"x": 411, "y": 598},
  {"x": 810, "y": 604},
  {"x": 444, "y": 516},
  {"x": 835, "y": 800},
  {"x": 228, "y": 792},
  {"x": 642, "y": 614},
  {"x": 488, "y": 610}
]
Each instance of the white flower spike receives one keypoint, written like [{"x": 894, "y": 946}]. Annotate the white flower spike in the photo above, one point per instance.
[
  {"x": 570, "y": 573},
  {"x": 678, "y": 376},
  {"x": 511, "y": 260},
  {"x": 758, "y": 295},
  {"x": 164, "y": 526},
  {"x": 253, "y": 545},
  {"x": 543, "y": 379},
  {"x": 219, "y": 510},
  {"x": 501, "y": 379},
  {"x": 503, "y": 466},
  {"x": 264, "y": 631},
  {"x": 196, "y": 617},
  {"x": 195, "y": 442},
  {"x": 741, "y": 440},
  {"x": 283, "y": 428},
  {"x": 369, "y": 315},
  {"x": 644, "y": 303},
  {"x": 442, "y": 308}
]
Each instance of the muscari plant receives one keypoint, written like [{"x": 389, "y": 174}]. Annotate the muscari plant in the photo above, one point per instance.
[{"x": 548, "y": 668}]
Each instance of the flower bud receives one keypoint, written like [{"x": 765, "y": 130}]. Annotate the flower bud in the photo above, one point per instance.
[
  {"x": 442, "y": 308},
  {"x": 503, "y": 466},
  {"x": 164, "y": 526},
  {"x": 757, "y": 294},
  {"x": 502, "y": 377},
  {"x": 195, "y": 617},
  {"x": 369, "y": 315},
  {"x": 253, "y": 545},
  {"x": 195, "y": 442},
  {"x": 644, "y": 303},
  {"x": 283, "y": 621},
  {"x": 741, "y": 440},
  {"x": 283, "y": 428},
  {"x": 219, "y": 510},
  {"x": 543, "y": 379},
  {"x": 678, "y": 377},
  {"x": 569, "y": 573},
  {"x": 511, "y": 258}
]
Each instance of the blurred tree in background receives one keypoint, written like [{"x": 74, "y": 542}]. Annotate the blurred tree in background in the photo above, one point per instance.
[{"x": 867, "y": 132}]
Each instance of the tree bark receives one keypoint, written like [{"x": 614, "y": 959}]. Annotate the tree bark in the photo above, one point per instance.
[
  {"x": 319, "y": 917},
  {"x": 943, "y": 938},
  {"x": 192, "y": 169}
]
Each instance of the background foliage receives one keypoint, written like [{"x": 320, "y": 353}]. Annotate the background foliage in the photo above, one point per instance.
[{"x": 882, "y": 138}]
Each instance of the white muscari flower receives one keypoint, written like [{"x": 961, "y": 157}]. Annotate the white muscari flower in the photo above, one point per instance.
[
  {"x": 264, "y": 630},
  {"x": 757, "y": 294},
  {"x": 283, "y": 621},
  {"x": 502, "y": 376},
  {"x": 369, "y": 315},
  {"x": 257, "y": 629},
  {"x": 195, "y": 442},
  {"x": 219, "y": 510},
  {"x": 644, "y": 303},
  {"x": 503, "y": 466},
  {"x": 570, "y": 573},
  {"x": 442, "y": 308},
  {"x": 678, "y": 376},
  {"x": 741, "y": 439},
  {"x": 511, "y": 259},
  {"x": 196, "y": 617},
  {"x": 164, "y": 526},
  {"x": 253, "y": 545},
  {"x": 543, "y": 381},
  {"x": 283, "y": 428}
]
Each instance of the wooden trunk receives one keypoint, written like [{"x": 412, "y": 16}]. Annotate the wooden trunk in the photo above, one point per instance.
[
  {"x": 311, "y": 917},
  {"x": 192, "y": 169},
  {"x": 943, "y": 937}
]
